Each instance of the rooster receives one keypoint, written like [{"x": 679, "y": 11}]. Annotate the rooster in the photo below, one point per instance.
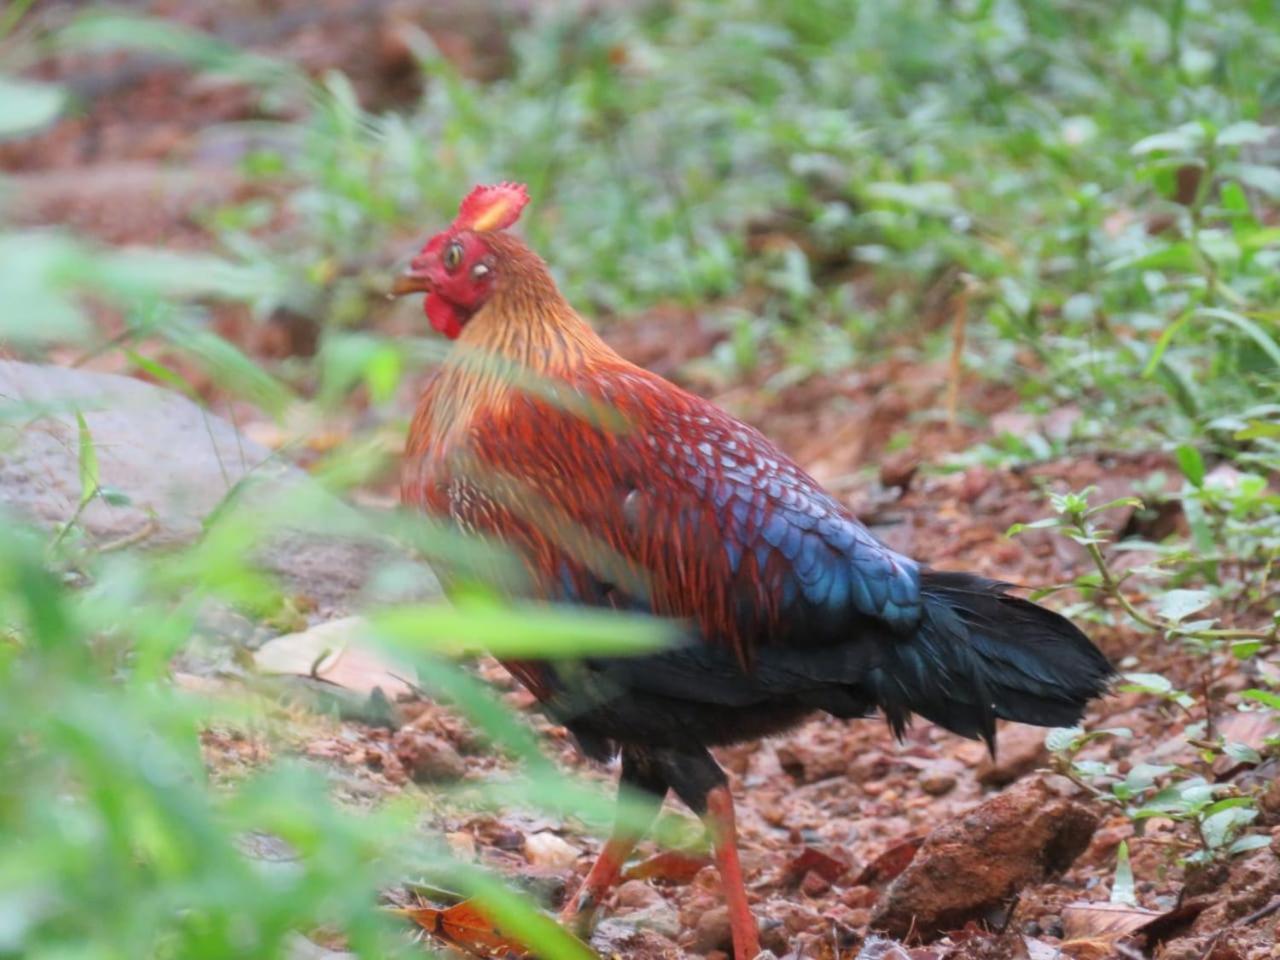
[{"x": 617, "y": 489}]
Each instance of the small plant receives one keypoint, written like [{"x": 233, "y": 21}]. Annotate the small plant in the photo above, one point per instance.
[
  {"x": 1075, "y": 518},
  {"x": 1217, "y": 813}
]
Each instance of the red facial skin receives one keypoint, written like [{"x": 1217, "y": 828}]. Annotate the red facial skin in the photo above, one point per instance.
[{"x": 460, "y": 268}]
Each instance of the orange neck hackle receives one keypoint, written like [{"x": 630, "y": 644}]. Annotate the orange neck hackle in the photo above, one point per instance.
[
  {"x": 527, "y": 337},
  {"x": 527, "y": 321}
]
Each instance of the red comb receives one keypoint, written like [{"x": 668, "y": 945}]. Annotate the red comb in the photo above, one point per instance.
[{"x": 492, "y": 208}]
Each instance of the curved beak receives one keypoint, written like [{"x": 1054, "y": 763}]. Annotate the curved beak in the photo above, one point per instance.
[{"x": 410, "y": 282}]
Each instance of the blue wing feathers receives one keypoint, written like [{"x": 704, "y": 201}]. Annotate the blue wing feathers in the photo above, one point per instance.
[{"x": 825, "y": 569}]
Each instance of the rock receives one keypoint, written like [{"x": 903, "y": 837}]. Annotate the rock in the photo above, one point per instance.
[
  {"x": 898, "y": 469},
  {"x": 176, "y": 463},
  {"x": 660, "y": 917},
  {"x": 545, "y": 849},
  {"x": 808, "y": 763},
  {"x": 972, "y": 865},
  {"x": 1020, "y": 750},
  {"x": 637, "y": 895},
  {"x": 1251, "y": 883},
  {"x": 430, "y": 758},
  {"x": 814, "y": 884},
  {"x": 615, "y": 937},
  {"x": 936, "y": 783},
  {"x": 542, "y": 884},
  {"x": 712, "y": 930}
]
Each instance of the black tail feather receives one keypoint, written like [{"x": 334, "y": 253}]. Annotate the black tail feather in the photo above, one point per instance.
[{"x": 980, "y": 655}]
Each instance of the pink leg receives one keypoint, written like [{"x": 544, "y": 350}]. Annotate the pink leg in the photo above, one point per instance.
[
  {"x": 724, "y": 839},
  {"x": 580, "y": 908}
]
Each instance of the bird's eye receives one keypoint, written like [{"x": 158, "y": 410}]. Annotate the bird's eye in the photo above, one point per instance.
[
  {"x": 452, "y": 256},
  {"x": 479, "y": 271}
]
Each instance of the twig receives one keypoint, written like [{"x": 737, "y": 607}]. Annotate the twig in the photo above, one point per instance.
[
  {"x": 1065, "y": 770},
  {"x": 955, "y": 369},
  {"x": 314, "y": 672},
  {"x": 74, "y": 519},
  {"x": 129, "y": 539}
]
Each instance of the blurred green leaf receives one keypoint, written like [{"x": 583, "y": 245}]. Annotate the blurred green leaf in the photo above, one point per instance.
[
  {"x": 99, "y": 30},
  {"x": 539, "y": 632},
  {"x": 1123, "y": 889},
  {"x": 26, "y": 106},
  {"x": 88, "y": 460},
  {"x": 1190, "y": 463},
  {"x": 1265, "y": 697}
]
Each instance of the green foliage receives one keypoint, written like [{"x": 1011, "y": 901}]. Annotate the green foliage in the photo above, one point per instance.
[
  {"x": 1219, "y": 814},
  {"x": 822, "y": 176},
  {"x": 117, "y": 839},
  {"x": 1098, "y": 171}
]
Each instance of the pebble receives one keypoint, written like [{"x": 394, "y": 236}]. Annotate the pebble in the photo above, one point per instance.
[
  {"x": 545, "y": 849},
  {"x": 814, "y": 884},
  {"x": 637, "y": 895},
  {"x": 937, "y": 783},
  {"x": 712, "y": 930},
  {"x": 432, "y": 759}
]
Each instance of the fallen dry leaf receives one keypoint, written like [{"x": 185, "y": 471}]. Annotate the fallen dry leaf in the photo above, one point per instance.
[
  {"x": 336, "y": 652},
  {"x": 1172, "y": 922},
  {"x": 1088, "y": 921},
  {"x": 673, "y": 866},
  {"x": 813, "y": 860},
  {"x": 889, "y": 864},
  {"x": 464, "y": 925}
]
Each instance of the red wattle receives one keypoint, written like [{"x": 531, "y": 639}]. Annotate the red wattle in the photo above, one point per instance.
[{"x": 444, "y": 316}]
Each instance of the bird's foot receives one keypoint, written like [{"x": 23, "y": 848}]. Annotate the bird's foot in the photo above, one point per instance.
[{"x": 578, "y": 914}]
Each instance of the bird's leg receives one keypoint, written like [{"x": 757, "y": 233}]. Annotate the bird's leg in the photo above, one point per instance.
[
  {"x": 646, "y": 784},
  {"x": 579, "y": 910},
  {"x": 724, "y": 841},
  {"x": 698, "y": 780}
]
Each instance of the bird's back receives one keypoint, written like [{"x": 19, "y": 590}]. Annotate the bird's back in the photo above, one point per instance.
[{"x": 617, "y": 489}]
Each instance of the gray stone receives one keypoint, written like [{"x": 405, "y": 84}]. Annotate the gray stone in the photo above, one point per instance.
[{"x": 177, "y": 464}]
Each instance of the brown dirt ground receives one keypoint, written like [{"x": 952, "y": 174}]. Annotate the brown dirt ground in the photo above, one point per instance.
[{"x": 845, "y": 788}]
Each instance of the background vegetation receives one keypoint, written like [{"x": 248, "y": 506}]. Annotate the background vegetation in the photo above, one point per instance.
[{"x": 1079, "y": 200}]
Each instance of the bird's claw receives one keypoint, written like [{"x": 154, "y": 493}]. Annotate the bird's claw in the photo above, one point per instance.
[{"x": 578, "y": 913}]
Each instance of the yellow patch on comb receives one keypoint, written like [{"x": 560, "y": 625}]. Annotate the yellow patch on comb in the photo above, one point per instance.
[{"x": 488, "y": 208}]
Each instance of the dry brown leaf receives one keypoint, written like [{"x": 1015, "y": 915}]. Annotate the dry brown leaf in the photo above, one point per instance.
[
  {"x": 465, "y": 925},
  {"x": 336, "y": 652},
  {"x": 890, "y": 863},
  {"x": 1087, "y": 921},
  {"x": 673, "y": 866},
  {"x": 1172, "y": 922},
  {"x": 813, "y": 860}
]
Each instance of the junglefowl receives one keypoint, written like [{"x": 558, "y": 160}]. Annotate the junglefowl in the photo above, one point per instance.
[{"x": 617, "y": 489}]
